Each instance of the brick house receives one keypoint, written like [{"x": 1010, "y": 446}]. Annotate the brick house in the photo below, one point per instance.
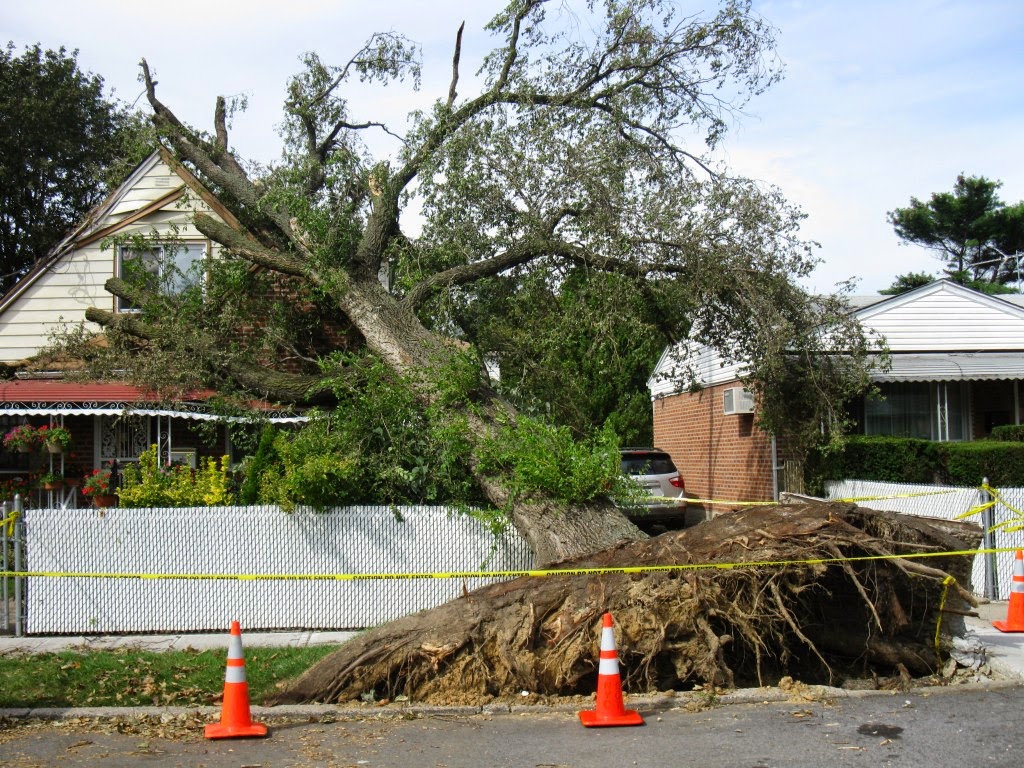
[{"x": 957, "y": 371}]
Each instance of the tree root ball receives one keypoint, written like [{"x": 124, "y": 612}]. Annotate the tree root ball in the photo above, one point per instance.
[{"x": 816, "y": 591}]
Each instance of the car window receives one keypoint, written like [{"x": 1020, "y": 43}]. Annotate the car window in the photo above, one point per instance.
[{"x": 648, "y": 464}]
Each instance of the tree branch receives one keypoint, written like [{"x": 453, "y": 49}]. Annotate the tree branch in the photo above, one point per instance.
[
  {"x": 216, "y": 164},
  {"x": 452, "y": 93},
  {"x": 262, "y": 381},
  {"x": 243, "y": 245}
]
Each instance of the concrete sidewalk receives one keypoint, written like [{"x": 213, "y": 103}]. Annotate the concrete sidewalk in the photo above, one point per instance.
[
  {"x": 178, "y": 642},
  {"x": 1004, "y": 650}
]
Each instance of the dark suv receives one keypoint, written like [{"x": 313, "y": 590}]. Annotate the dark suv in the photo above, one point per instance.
[{"x": 654, "y": 471}]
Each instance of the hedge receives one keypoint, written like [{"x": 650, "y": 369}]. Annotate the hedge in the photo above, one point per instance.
[
  {"x": 909, "y": 460},
  {"x": 1011, "y": 433}
]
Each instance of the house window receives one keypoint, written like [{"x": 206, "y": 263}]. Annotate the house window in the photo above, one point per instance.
[
  {"x": 927, "y": 410},
  {"x": 170, "y": 268}
]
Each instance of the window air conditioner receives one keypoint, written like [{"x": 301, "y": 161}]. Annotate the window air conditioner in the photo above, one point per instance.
[{"x": 738, "y": 400}]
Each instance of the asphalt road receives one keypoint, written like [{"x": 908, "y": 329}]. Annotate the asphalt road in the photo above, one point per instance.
[{"x": 963, "y": 726}]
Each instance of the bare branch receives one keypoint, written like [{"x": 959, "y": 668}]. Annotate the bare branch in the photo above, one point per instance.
[
  {"x": 220, "y": 121},
  {"x": 214, "y": 162},
  {"x": 452, "y": 93}
]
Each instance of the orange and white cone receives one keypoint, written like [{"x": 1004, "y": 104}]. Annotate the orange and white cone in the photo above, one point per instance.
[
  {"x": 610, "y": 708},
  {"x": 1015, "y": 612},
  {"x": 235, "y": 720}
]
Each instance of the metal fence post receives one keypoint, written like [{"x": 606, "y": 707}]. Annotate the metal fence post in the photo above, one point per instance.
[
  {"x": 5, "y": 543},
  {"x": 988, "y": 542},
  {"x": 19, "y": 581}
]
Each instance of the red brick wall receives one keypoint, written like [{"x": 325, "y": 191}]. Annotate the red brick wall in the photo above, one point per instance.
[{"x": 720, "y": 457}]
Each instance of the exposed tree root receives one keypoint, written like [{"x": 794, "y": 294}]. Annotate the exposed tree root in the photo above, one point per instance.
[{"x": 787, "y": 608}]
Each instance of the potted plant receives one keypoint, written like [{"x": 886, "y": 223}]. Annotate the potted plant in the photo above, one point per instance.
[
  {"x": 96, "y": 486},
  {"x": 51, "y": 481},
  {"x": 56, "y": 439},
  {"x": 23, "y": 438}
]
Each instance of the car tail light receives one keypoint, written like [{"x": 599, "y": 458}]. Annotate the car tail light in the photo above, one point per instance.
[{"x": 677, "y": 482}]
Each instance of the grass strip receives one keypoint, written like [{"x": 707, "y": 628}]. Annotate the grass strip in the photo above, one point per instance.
[{"x": 125, "y": 678}]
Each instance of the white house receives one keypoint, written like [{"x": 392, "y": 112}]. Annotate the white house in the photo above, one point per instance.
[
  {"x": 144, "y": 224},
  {"x": 156, "y": 201},
  {"x": 956, "y": 372}
]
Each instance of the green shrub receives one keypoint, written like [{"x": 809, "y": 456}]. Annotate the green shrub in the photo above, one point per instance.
[
  {"x": 314, "y": 467},
  {"x": 910, "y": 460},
  {"x": 969, "y": 463},
  {"x": 152, "y": 484},
  {"x": 1008, "y": 433},
  {"x": 256, "y": 465},
  {"x": 535, "y": 457},
  {"x": 379, "y": 445}
]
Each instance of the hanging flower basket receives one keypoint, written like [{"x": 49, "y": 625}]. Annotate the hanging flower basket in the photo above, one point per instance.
[
  {"x": 51, "y": 481},
  {"x": 24, "y": 438},
  {"x": 56, "y": 439},
  {"x": 104, "y": 500}
]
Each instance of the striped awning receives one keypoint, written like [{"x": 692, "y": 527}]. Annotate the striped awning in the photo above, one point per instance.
[
  {"x": 953, "y": 366},
  {"x": 43, "y": 397}
]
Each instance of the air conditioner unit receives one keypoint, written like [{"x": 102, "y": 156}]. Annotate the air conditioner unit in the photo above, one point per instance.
[{"x": 737, "y": 400}]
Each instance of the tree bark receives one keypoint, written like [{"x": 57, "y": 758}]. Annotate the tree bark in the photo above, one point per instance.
[{"x": 555, "y": 531}]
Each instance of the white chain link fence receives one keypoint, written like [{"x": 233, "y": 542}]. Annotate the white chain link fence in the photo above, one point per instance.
[
  {"x": 950, "y": 502},
  {"x": 136, "y": 544},
  {"x": 250, "y": 541}
]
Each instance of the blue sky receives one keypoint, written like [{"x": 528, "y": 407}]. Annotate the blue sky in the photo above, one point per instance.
[{"x": 882, "y": 100}]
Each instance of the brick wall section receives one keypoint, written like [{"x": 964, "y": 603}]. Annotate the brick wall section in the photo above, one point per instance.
[{"x": 720, "y": 457}]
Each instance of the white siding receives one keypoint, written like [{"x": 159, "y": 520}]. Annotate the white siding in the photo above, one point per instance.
[
  {"x": 154, "y": 183},
  {"x": 948, "y": 319},
  {"x": 677, "y": 363},
  {"x": 59, "y": 297},
  {"x": 942, "y": 318}
]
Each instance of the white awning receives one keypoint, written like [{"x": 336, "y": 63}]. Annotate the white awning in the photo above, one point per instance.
[
  {"x": 108, "y": 409},
  {"x": 953, "y": 366}
]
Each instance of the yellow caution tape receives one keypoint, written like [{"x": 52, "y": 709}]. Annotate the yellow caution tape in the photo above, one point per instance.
[
  {"x": 632, "y": 569},
  {"x": 849, "y": 500},
  {"x": 1008, "y": 526},
  {"x": 9, "y": 522}
]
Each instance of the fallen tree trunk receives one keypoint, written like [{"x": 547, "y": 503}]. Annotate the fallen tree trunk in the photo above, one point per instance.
[{"x": 815, "y": 591}]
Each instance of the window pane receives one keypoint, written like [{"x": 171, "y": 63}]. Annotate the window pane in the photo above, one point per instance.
[
  {"x": 904, "y": 411},
  {"x": 171, "y": 268},
  {"x": 184, "y": 266}
]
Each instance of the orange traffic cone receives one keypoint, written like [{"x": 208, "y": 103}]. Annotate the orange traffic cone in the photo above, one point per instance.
[
  {"x": 610, "y": 708},
  {"x": 235, "y": 720},
  {"x": 1015, "y": 613}
]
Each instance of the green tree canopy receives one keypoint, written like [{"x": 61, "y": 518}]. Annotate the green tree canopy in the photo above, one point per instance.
[
  {"x": 577, "y": 172},
  {"x": 975, "y": 234},
  {"x": 907, "y": 282},
  {"x": 62, "y": 140}
]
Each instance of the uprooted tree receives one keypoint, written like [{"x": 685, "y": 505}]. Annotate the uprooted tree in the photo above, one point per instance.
[
  {"x": 576, "y": 158},
  {"x": 831, "y": 592}
]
